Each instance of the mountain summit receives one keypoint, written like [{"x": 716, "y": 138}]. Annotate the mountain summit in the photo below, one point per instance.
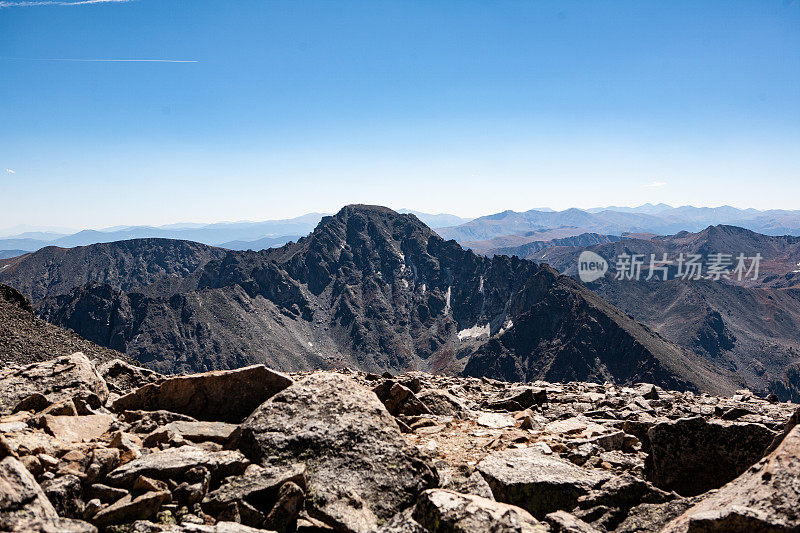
[{"x": 377, "y": 290}]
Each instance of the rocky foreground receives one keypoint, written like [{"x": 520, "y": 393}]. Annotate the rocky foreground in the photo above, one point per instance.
[{"x": 123, "y": 449}]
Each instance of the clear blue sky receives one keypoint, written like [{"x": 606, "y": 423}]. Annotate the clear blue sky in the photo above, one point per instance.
[{"x": 465, "y": 107}]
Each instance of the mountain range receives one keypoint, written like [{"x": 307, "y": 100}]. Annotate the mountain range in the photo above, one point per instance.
[
  {"x": 369, "y": 288},
  {"x": 510, "y": 227},
  {"x": 660, "y": 219},
  {"x": 751, "y": 327}
]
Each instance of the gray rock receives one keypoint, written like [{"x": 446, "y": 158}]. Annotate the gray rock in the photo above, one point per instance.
[
  {"x": 538, "y": 483},
  {"x": 360, "y": 469},
  {"x": 402, "y": 522},
  {"x": 442, "y": 403},
  {"x": 445, "y": 511},
  {"x": 283, "y": 516},
  {"x": 258, "y": 486},
  {"x": 54, "y": 525},
  {"x": 518, "y": 398},
  {"x": 129, "y": 509},
  {"x": 173, "y": 463},
  {"x": 477, "y": 486},
  {"x": 652, "y": 517},
  {"x": 765, "y": 498},
  {"x": 21, "y": 498},
  {"x": 58, "y": 379},
  {"x": 105, "y": 493},
  {"x": 122, "y": 377},
  {"x": 218, "y": 432},
  {"x": 224, "y": 395},
  {"x": 564, "y": 522},
  {"x": 399, "y": 400},
  {"x": 65, "y": 493},
  {"x": 694, "y": 455}
]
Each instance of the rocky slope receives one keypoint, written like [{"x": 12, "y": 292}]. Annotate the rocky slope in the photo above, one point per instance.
[
  {"x": 376, "y": 290},
  {"x": 119, "y": 449},
  {"x": 24, "y": 338}
]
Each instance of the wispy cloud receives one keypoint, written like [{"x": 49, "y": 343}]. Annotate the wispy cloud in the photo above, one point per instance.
[
  {"x": 10, "y": 171},
  {"x": 657, "y": 184},
  {"x": 32, "y": 3},
  {"x": 93, "y": 60}
]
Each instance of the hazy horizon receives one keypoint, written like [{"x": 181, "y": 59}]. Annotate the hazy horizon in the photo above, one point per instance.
[{"x": 26, "y": 227}]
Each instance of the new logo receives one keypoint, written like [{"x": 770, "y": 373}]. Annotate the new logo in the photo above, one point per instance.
[{"x": 591, "y": 266}]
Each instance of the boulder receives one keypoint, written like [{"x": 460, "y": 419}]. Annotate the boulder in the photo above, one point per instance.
[
  {"x": 77, "y": 428},
  {"x": 218, "y": 432},
  {"x": 538, "y": 483},
  {"x": 399, "y": 400},
  {"x": 49, "y": 382},
  {"x": 65, "y": 493},
  {"x": 564, "y": 522},
  {"x": 53, "y": 525},
  {"x": 445, "y": 511},
  {"x": 360, "y": 469},
  {"x": 518, "y": 398},
  {"x": 223, "y": 395},
  {"x": 21, "y": 498},
  {"x": 258, "y": 486},
  {"x": 652, "y": 517},
  {"x": 442, "y": 403},
  {"x": 765, "y": 498},
  {"x": 174, "y": 462},
  {"x": 695, "y": 455},
  {"x": 403, "y": 522},
  {"x": 122, "y": 377},
  {"x": 129, "y": 509}
]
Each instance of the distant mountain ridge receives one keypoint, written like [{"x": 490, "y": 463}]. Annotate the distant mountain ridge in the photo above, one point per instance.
[
  {"x": 373, "y": 289},
  {"x": 661, "y": 219},
  {"x": 750, "y": 327},
  {"x": 233, "y": 235}
]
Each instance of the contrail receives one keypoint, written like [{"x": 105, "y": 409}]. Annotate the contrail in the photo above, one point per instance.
[
  {"x": 59, "y": 3},
  {"x": 99, "y": 60}
]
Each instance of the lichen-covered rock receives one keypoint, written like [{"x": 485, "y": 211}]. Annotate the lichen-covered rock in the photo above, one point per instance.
[
  {"x": 445, "y": 511},
  {"x": 224, "y": 395},
  {"x": 129, "y": 509},
  {"x": 694, "y": 455},
  {"x": 360, "y": 469},
  {"x": 21, "y": 497},
  {"x": 175, "y": 462},
  {"x": 122, "y": 377},
  {"x": 258, "y": 486},
  {"x": 765, "y": 498},
  {"x": 58, "y": 379},
  {"x": 538, "y": 483}
]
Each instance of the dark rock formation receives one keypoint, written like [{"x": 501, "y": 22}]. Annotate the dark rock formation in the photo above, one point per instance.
[{"x": 693, "y": 455}]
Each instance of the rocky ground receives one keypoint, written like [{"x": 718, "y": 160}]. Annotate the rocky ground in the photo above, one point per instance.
[{"x": 122, "y": 449}]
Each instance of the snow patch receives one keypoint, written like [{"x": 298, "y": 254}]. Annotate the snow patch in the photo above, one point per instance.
[
  {"x": 475, "y": 332},
  {"x": 480, "y": 287},
  {"x": 507, "y": 326},
  {"x": 447, "y": 300}
]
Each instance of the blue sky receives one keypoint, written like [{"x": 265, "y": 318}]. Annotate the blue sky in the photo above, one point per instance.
[{"x": 465, "y": 107}]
